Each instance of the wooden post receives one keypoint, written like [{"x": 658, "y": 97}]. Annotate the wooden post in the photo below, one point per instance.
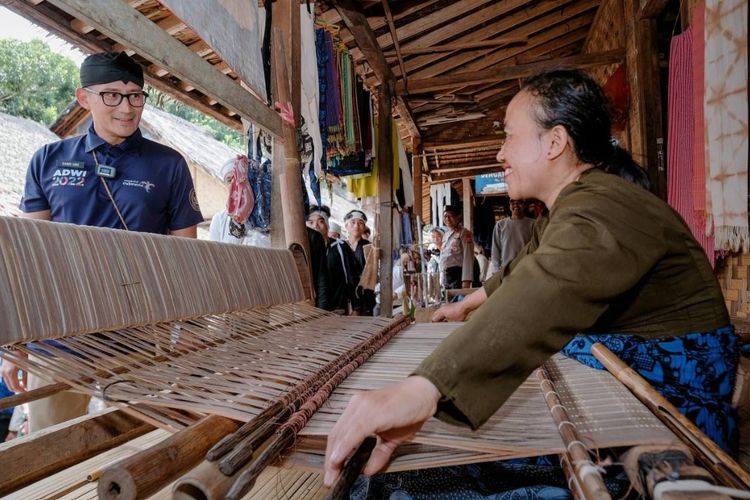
[
  {"x": 145, "y": 473},
  {"x": 468, "y": 199},
  {"x": 416, "y": 161},
  {"x": 648, "y": 143},
  {"x": 385, "y": 200},
  {"x": 286, "y": 27}
]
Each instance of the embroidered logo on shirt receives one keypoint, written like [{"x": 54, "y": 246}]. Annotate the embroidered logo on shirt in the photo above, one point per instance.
[
  {"x": 70, "y": 173},
  {"x": 194, "y": 201},
  {"x": 145, "y": 185}
]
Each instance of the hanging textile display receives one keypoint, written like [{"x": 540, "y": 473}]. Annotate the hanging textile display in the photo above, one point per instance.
[
  {"x": 310, "y": 99},
  {"x": 725, "y": 114},
  {"x": 362, "y": 186},
  {"x": 699, "y": 187},
  {"x": 344, "y": 108},
  {"x": 259, "y": 174},
  {"x": 404, "y": 164},
  {"x": 440, "y": 194},
  {"x": 680, "y": 138}
]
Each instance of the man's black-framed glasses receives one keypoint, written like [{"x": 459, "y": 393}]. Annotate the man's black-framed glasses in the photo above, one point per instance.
[{"x": 113, "y": 99}]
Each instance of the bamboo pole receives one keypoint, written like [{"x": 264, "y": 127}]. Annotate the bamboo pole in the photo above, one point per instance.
[
  {"x": 149, "y": 471},
  {"x": 718, "y": 462},
  {"x": 205, "y": 482},
  {"x": 586, "y": 474}
]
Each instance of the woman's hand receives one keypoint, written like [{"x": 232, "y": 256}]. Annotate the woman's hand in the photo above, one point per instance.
[
  {"x": 394, "y": 414},
  {"x": 458, "y": 311},
  {"x": 10, "y": 376},
  {"x": 450, "y": 312}
]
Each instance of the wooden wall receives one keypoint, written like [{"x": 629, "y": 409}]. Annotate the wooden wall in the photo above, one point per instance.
[{"x": 608, "y": 32}]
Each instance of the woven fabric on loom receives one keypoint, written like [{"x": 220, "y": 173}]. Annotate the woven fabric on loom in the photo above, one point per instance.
[
  {"x": 681, "y": 137},
  {"x": 234, "y": 364},
  {"x": 604, "y": 412},
  {"x": 59, "y": 279}
]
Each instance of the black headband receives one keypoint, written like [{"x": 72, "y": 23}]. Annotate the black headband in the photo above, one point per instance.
[{"x": 108, "y": 67}]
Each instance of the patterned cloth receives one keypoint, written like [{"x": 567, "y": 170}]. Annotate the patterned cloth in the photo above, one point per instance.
[
  {"x": 488, "y": 481},
  {"x": 725, "y": 114},
  {"x": 681, "y": 142},
  {"x": 694, "y": 372}
]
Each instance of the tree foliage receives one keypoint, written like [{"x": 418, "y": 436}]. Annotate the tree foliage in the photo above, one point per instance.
[
  {"x": 35, "y": 82},
  {"x": 218, "y": 130}
]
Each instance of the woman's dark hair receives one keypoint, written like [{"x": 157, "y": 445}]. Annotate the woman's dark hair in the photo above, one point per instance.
[{"x": 575, "y": 101}]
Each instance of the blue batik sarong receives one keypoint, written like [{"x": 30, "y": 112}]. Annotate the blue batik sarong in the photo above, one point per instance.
[{"x": 694, "y": 372}]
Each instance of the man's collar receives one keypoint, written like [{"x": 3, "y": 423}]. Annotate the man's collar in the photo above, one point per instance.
[{"x": 93, "y": 140}]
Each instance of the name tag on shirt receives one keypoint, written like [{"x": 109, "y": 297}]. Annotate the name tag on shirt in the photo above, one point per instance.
[{"x": 106, "y": 171}]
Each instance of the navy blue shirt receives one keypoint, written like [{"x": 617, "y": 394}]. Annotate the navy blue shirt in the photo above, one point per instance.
[{"x": 152, "y": 185}]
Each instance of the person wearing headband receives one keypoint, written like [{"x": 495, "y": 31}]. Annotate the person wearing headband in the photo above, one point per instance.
[
  {"x": 111, "y": 176},
  {"x": 334, "y": 230},
  {"x": 317, "y": 218},
  {"x": 347, "y": 259}
]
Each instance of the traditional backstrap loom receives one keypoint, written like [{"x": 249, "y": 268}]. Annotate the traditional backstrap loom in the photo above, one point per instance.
[{"x": 215, "y": 343}]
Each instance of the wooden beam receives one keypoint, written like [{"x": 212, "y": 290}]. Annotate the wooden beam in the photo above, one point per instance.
[
  {"x": 465, "y": 143},
  {"x": 385, "y": 200},
  {"x": 430, "y": 22},
  {"x": 33, "y": 395},
  {"x": 122, "y": 23},
  {"x": 365, "y": 38},
  {"x": 511, "y": 72},
  {"x": 438, "y": 171},
  {"x": 416, "y": 162},
  {"x": 651, "y": 8},
  {"x": 356, "y": 21},
  {"x": 394, "y": 35},
  {"x": 451, "y": 47},
  {"x": 649, "y": 89},
  {"x": 468, "y": 203},
  {"x": 53, "y": 449},
  {"x": 550, "y": 20},
  {"x": 458, "y": 175}
]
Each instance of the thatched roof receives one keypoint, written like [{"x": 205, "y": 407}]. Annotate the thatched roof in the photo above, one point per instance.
[
  {"x": 19, "y": 139},
  {"x": 195, "y": 143}
]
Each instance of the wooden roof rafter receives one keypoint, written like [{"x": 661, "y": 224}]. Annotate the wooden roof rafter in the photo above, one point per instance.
[{"x": 157, "y": 41}]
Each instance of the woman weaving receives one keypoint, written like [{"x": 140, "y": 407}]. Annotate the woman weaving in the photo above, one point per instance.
[{"x": 613, "y": 261}]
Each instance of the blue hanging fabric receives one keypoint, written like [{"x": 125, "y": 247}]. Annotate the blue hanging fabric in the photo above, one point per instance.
[{"x": 259, "y": 174}]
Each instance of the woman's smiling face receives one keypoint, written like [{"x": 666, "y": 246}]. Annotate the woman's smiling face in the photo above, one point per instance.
[{"x": 522, "y": 154}]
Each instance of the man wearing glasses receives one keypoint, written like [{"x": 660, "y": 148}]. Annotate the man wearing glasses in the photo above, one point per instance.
[
  {"x": 112, "y": 176},
  {"x": 109, "y": 177}
]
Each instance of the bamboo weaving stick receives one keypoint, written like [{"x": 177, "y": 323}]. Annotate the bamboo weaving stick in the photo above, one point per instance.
[
  {"x": 352, "y": 469},
  {"x": 588, "y": 477},
  {"x": 149, "y": 471},
  {"x": 286, "y": 435},
  {"x": 720, "y": 464},
  {"x": 280, "y": 410}
]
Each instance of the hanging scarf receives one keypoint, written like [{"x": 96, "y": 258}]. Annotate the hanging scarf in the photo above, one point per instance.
[{"x": 241, "y": 200}]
